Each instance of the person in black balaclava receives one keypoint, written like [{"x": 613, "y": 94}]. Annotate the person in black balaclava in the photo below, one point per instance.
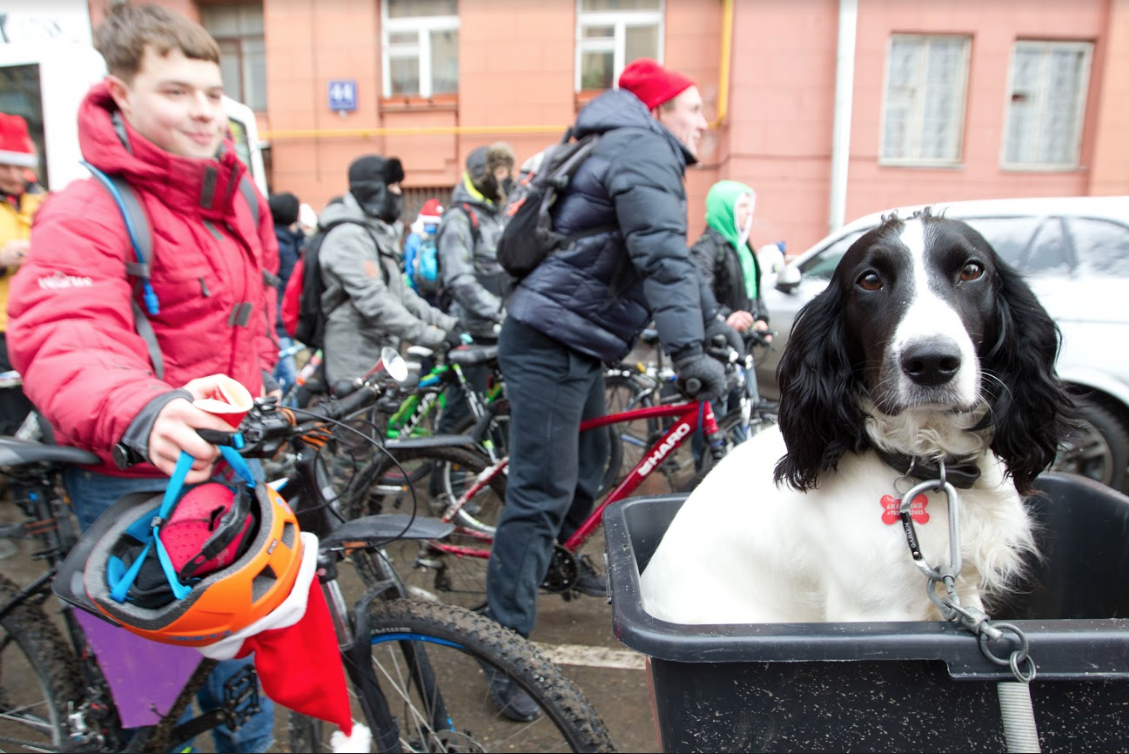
[
  {"x": 368, "y": 303},
  {"x": 374, "y": 181}
]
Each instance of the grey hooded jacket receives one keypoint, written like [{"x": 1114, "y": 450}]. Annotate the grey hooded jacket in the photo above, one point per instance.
[
  {"x": 378, "y": 309},
  {"x": 471, "y": 275}
]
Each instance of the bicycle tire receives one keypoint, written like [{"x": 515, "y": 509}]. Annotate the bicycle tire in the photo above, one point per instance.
[
  {"x": 38, "y": 678},
  {"x": 431, "y": 570},
  {"x": 455, "y": 644}
]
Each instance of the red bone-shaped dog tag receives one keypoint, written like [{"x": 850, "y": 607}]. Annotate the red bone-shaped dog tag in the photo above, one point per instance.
[{"x": 917, "y": 512}]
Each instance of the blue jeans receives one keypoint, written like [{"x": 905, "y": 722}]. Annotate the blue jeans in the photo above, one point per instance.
[
  {"x": 91, "y": 494},
  {"x": 286, "y": 370},
  {"x": 554, "y": 470}
]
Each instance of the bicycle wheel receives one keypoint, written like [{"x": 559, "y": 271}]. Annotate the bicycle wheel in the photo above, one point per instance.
[
  {"x": 429, "y": 662},
  {"x": 453, "y": 570},
  {"x": 37, "y": 679},
  {"x": 763, "y": 417},
  {"x": 630, "y": 439}
]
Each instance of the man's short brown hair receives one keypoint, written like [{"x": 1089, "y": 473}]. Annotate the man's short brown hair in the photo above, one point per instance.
[{"x": 123, "y": 35}]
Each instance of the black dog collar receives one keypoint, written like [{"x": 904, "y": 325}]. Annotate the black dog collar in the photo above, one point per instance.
[{"x": 958, "y": 474}]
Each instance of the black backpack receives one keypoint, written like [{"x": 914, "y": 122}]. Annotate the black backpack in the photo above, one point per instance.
[
  {"x": 302, "y": 313},
  {"x": 528, "y": 236}
]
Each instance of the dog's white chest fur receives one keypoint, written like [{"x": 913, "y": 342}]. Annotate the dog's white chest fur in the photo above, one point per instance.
[{"x": 743, "y": 550}]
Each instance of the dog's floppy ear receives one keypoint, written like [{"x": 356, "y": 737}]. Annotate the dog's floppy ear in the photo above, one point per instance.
[
  {"x": 819, "y": 393},
  {"x": 1029, "y": 407}
]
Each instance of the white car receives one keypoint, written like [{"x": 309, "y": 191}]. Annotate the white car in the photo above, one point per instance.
[{"x": 1074, "y": 252}]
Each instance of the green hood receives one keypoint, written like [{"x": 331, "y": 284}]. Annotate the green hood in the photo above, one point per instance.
[{"x": 721, "y": 204}]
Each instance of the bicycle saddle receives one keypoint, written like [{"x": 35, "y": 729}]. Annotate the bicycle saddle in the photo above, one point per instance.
[
  {"x": 15, "y": 452},
  {"x": 469, "y": 356},
  {"x": 385, "y": 527}
]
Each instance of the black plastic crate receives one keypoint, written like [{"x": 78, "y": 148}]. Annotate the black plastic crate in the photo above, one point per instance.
[{"x": 895, "y": 686}]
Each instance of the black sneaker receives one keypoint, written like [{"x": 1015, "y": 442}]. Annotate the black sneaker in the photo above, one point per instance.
[
  {"x": 590, "y": 581},
  {"x": 510, "y": 698}
]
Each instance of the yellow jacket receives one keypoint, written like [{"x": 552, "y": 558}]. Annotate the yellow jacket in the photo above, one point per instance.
[{"x": 15, "y": 224}]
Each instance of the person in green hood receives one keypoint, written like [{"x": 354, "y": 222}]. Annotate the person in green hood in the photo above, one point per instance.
[
  {"x": 729, "y": 268},
  {"x": 726, "y": 262}
]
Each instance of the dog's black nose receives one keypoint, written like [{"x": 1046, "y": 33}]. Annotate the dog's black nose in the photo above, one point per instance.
[{"x": 931, "y": 363}]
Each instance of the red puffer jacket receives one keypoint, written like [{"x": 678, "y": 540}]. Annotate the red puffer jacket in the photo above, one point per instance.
[{"x": 71, "y": 328}]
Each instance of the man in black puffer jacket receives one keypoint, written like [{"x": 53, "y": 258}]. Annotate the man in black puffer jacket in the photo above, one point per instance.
[{"x": 586, "y": 305}]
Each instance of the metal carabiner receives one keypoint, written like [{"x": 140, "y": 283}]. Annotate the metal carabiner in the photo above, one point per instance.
[{"x": 953, "y": 500}]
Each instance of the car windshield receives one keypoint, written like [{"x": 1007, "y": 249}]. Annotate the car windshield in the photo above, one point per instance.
[{"x": 823, "y": 264}]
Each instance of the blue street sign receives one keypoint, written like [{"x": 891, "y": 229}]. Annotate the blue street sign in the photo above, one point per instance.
[{"x": 343, "y": 95}]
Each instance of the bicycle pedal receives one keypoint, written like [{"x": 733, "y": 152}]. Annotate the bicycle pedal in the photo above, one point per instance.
[{"x": 240, "y": 697}]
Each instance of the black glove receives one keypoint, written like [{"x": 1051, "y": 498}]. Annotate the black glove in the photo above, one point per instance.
[
  {"x": 453, "y": 339},
  {"x": 732, "y": 338},
  {"x": 702, "y": 375}
]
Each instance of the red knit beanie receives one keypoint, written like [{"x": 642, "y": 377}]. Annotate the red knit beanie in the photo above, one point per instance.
[{"x": 650, "y": 82}]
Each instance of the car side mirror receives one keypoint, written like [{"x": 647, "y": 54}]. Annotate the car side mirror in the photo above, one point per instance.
[{"x": 788, "y": 279}]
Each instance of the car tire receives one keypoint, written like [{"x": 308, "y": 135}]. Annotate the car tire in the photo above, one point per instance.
[{"x": 1098, "y": 447}]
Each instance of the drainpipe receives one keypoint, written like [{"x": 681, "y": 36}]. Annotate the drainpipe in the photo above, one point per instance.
[
  {"x": 726, "y": 61},
  {"x": 841, "y": 131}
]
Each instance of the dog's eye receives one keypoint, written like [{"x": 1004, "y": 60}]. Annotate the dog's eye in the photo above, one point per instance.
[
  {"x": 870, "y": 282},
  {"x": 971, "y": 271}
]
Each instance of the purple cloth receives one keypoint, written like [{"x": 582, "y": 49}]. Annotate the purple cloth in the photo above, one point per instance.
[{"x": 145, "y": 677}]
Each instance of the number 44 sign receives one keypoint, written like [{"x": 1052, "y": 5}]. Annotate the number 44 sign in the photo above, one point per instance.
[{"x": 343, "y": 95}]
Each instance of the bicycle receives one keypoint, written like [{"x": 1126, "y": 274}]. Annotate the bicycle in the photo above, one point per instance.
[
  {"x": 641, "y": 385},
  {"x": 455, "y": 569},
  {"x": 407, "y": 662}
]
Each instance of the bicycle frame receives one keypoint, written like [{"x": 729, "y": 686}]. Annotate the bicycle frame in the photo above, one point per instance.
[{"x": 688, "y": 416}]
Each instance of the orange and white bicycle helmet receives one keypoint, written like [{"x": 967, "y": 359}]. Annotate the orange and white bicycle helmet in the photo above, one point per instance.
[{"x": 187, "y": 568}]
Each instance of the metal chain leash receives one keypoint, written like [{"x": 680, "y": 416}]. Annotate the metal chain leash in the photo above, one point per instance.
[{"x": 1018, "y": 718}]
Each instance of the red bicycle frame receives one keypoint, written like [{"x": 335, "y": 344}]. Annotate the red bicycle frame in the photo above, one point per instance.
[{"x": 688, "y": 416}]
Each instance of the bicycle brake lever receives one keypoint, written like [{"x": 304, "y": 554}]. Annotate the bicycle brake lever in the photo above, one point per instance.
[{"x": 216, "y": 437}]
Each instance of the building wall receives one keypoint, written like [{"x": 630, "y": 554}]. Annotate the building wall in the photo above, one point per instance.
[
  {"x": 517, "y": 58},
  {"x": 1110, "y": 172},
  {"x": 994, "y": 26},
  {"x": 781, "y": 110},
  {"x": 516, "y": 63}
]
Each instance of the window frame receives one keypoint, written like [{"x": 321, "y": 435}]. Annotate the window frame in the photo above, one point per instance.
[
  {"x": 958, "y": 118},
  {"x": 1086, "y": 73},
  {"x": 421, "y": 51},
  {"x": 619, "y": 20},
  {"x": 239, "y": 40}
]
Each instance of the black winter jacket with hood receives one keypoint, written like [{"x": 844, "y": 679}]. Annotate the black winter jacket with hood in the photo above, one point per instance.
[{"x": 598, "y": 295}]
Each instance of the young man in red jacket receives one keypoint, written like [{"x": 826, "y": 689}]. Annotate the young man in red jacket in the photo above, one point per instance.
[{"x": 158, "y": 122}]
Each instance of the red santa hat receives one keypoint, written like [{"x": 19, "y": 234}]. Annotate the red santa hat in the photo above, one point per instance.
[
  {"x": 650, "y": 82},
  {"x": 431, "y": 212},
  {"x": 291, "y": 647},
  {"x": 16, "y": 147}
]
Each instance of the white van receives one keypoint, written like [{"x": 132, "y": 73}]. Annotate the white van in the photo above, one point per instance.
[{"x": 45, "y": 83}]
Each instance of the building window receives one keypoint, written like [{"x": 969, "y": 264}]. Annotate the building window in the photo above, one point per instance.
[
  {"x": 243, "y": 56},
  {"x": 421, "y": 47},
  {"x": 926, "y": 85},
  {"x": 1046, "y": 104},
  {"x": 612, "y": 33}
]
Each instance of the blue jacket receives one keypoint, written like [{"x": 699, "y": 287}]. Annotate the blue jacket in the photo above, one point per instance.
[{"x": 598, "y": 295}]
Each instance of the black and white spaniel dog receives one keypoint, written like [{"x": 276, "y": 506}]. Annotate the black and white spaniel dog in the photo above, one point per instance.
[{"x": 925, "y": 347}]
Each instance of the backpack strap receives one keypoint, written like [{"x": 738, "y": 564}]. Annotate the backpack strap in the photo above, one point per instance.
[
  {"x": 141, "y": 239},
  {"x": 248, "y": 190},
  {"x": 475, "y": 231}
]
